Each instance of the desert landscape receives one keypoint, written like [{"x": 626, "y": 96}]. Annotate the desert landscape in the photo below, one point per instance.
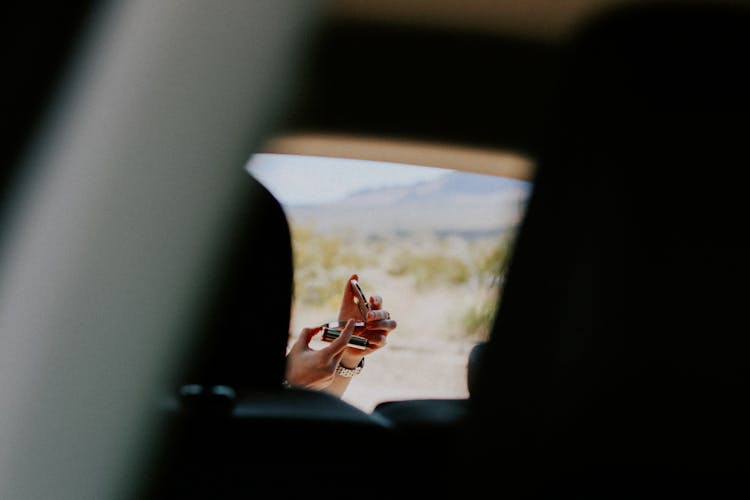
[{"x": 434, "y": 252}]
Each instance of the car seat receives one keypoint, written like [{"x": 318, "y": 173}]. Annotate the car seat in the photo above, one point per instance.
[
  {"x": 617, "y": 364},
  {"x": 231, "y": 429},
  {"x": 429, "y": 430}
]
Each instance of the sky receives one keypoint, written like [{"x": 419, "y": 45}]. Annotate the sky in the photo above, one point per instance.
[{"x": 297, "y": 180}]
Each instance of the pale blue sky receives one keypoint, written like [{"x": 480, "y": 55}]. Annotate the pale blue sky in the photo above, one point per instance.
[{"x": 296, "y": 179}]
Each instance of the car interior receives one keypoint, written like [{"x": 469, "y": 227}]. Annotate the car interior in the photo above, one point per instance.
[{"x": 147, "y": 281}]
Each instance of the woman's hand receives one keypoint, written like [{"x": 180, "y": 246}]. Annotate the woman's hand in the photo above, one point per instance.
[
  {"x": 315, "y": 369},
  {"x": 378, "y": 324}
]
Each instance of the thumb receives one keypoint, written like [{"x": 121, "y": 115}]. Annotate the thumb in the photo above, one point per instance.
[
  {"x": 348, "y": 292},
  {"x": 338, "y": 345}
]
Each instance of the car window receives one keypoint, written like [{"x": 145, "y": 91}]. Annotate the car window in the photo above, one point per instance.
[{"x": 431, "y": 241}]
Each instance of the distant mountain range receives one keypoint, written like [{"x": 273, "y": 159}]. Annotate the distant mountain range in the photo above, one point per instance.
[
  {"x": 452, "y": 186},
  {"x": 457, "y": 202}
]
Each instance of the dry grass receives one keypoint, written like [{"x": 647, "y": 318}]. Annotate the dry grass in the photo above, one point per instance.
[{"x": 441, "y": 291}]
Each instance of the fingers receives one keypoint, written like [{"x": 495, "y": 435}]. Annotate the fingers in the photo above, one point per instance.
[
  {"x": 348, "y": 307},
  {"x": 339, "y": 344},
  {"x": 376, "y": 302},
  {"x": 348, "y": 292},
  {"x": 303, "y": 341},
  {"x": 385, "y": 324},
  {"x": 376, "y": 339},
  {"x": 378, "y": 315},
  {"x": 376, "y": 332}
]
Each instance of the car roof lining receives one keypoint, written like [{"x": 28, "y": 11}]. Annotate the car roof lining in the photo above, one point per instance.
[{"x": 411, "y": 152}]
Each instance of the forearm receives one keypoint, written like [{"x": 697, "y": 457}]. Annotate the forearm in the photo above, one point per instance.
[
  {"x": 340, "y": 382},
  {"x": 338, "y": 386}
]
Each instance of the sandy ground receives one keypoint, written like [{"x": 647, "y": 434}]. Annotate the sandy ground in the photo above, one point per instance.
[
  {"x": 409, "y": 374},
  {"x": 426, "y": 355}
]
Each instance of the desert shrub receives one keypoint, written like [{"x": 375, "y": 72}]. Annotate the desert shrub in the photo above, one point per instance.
[
  {"x": 477, "y": 320},
  {"x": 303, "y": 239},
  {"x": 327, "y": 252},
  {"x": 440, "y": 269},
  {"x": 351, "y": 257},
  {"x": 401, "y": 263},
  {"x": 430, "y": 269},
  {"x": 490, "y": 264},
  {"x": 321, "y": 264},
  {"x": 317, "y": 287}
]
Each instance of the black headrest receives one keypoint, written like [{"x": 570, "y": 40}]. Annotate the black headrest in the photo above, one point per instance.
[
  {"x": 620, "y": 335},
  {"x": 244, "y": 335}
]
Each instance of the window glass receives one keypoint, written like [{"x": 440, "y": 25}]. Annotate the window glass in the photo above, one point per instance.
[{"x": 431, "y": 241}]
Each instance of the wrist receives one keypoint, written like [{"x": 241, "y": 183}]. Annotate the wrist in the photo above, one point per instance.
[
  {"x": 351, "y": 362},
  {"x": 345, "y": 371}
]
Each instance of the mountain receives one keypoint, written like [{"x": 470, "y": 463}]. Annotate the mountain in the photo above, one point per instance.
[
  {"x": 457, "y": 202},
  {"x": 451, "y": 186}
]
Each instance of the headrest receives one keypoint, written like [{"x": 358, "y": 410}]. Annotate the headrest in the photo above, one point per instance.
[
  {"x": 244, "y": 335},
  {"x": 620, "y": 326}
]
